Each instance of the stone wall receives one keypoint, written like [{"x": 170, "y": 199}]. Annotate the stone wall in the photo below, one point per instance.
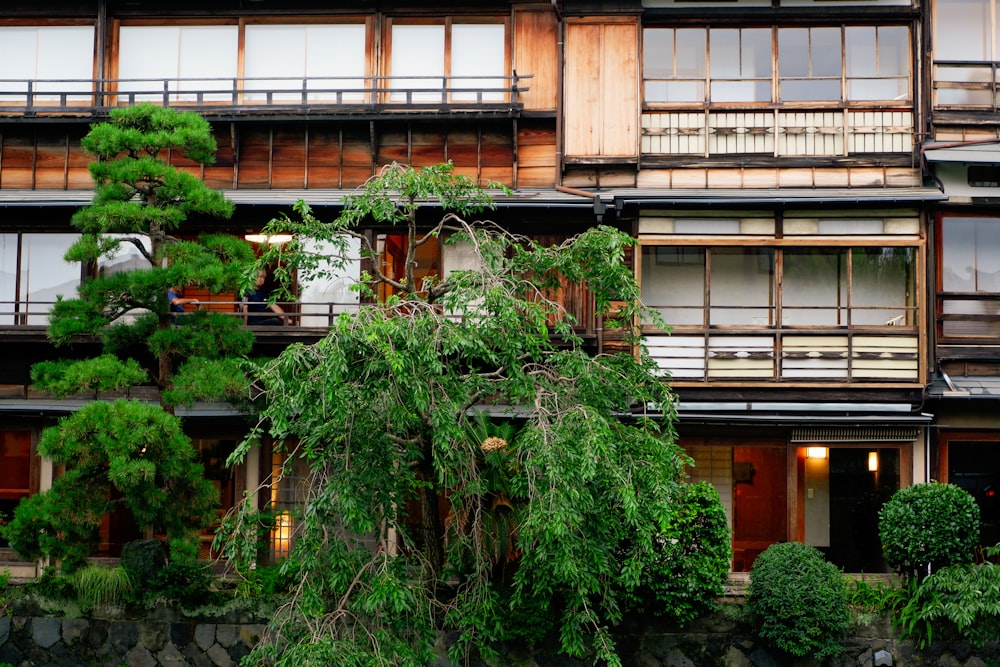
[
  {"x": 99, "y": 642},
  {"x": 176, "y": 641}
]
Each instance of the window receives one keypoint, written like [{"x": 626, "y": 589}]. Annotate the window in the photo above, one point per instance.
[
  {"x": 180, "y": 59},
  {"x": 34, "y": 274},
  {"x": 966, "y": 34},
  {"x": 836, "y": 287},
  {"x": 291, "y": 58},
  {"x": 812, "y": 64},
  {"x": 468, "y": 59},
  {"x": 56, "y": 58},
  {"x": 15, "y": 472},
  {"x": 970, "y": 277}
]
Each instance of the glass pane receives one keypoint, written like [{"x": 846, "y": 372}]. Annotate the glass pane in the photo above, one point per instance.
[
  {"x": 685, "y": 91},
  {"x": 477, "y": 53},
  {"x": 148, "y": 57},
  {"x": 66, "y": 52},
  {"x": 725, "y": 53},
  {"x": 656, "y": 91},
  {"x": 17, "y": 49},
  {"x": 691, "y": 53},
  {"x": 964, "y": 30},
  {"x": 793, "y": 52},
  {"x": 45, "y": 275},
  {"x": 825, "y": 50},
  {"x": 987, "y": 256},
  {"x": 882, "y": 282},
  {"x": 417, "y": 51},
  {"x": 272, "y": 52},
  {"x": 741, "y": 91},
  {"x": 812, "y": 287},
  {"x": 742, "y": 287},
  {"x": 878, "y": 89},
  {"x": 859, "y": 44},
  {"x": 8, "y": 277},
  {"x": 673, "y": 282},
  {"x": 208, "y": 57},
  {"x": 958, "y": 254},
  {"x": 805, "y": 90},
  {"x": 757, "y": 52},
  {"x": 894, "y": 51},
  {"x": 336, "y": 51},
  {"x": 657, "y": 53},
  {"x": 128, "y": 257}
]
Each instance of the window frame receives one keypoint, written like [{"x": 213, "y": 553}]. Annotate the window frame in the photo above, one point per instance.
[
  {"x": 448, "y": 23},
  {"x": 777, "y": 288},
  {"x": 776, "y": 75}
]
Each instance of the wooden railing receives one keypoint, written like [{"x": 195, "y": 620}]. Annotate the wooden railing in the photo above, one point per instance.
[
  {"x": 863, "y": 355},
  {"x": 966, "y": 85},
  {"x": 968, "y": 316},
  {"x": 375, "y": 93}
]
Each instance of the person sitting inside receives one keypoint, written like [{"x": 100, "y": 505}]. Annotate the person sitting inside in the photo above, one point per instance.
[
  {"x": 256, "y": 301},
  {"x": 177, "y": 301}
]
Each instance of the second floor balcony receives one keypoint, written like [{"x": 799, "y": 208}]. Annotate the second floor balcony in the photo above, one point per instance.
[{"x": 224, "y": 96}]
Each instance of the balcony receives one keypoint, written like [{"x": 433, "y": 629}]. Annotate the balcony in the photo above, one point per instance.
[
  {"x": 868, "y": 355},
  {"x": 962, "y": 85},
  {"x": 364, "y": 96}
]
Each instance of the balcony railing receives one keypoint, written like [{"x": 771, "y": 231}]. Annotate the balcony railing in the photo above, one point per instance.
[
  {"x": 361, "y": 94},
  {"x": 305, "y": 314},
  {"x": 868, "y": 355},
  {"x": 966, "y": 85},
  {"x": 969, "y": 316}
]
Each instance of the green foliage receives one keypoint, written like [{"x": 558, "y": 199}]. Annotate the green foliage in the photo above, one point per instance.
[
  {"x": 97, "y": 585},
  {"x": 959, "y": 601},
  {"x": 871, "y": 597},
  {"x": 798, "y": 600},
  {"x": 690, "y": 565},
  {"x": 183, "y": 580},
  {"x": 126, "y": 453},
  {"x": 387, "y": 413},
  {"x": 52, "y": 586},
  {"x": 100, "y": 374},
  {"x": 925, "y": 527},
  {"x": 131, "y": 454}
]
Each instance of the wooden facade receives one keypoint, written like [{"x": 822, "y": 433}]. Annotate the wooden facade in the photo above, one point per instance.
[{"x": 769, "y": 157}]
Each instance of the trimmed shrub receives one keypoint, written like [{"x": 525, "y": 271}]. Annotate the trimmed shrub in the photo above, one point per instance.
[
  {"x": 929, "y": 526},
  {"x": 691, "y": 564},
  {"x": 798, "y": 601}
]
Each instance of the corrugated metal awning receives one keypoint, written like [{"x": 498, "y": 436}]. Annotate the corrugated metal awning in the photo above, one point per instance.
[
  {"x": 549, "y": 198},
  {"x": 977, "y": 153}
]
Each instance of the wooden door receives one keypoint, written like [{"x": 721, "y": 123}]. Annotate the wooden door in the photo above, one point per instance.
[{"x": 759, "y": 502}]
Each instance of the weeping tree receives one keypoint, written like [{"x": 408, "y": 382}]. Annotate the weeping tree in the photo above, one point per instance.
[
  {"x": 472, "y": 468},
  {"x": 133, "y": 453}
]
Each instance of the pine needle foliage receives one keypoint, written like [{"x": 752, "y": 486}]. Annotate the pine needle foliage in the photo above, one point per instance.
[{"x": 128, "y": 453}]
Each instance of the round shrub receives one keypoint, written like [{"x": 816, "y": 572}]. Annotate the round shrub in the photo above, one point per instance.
[
  {"x": 798, "y": 600},
  {"x": 691, "y": 564},
  {"x": 929, "y": 526}
]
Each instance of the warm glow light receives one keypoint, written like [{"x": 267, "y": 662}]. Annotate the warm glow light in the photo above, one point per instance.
[
  {"x": 273, "y": 239},
  {"x": 815, "y": 452},
  {"x": 873, "y": 461}
]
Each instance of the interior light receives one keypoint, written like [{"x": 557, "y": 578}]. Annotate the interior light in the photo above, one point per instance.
[
  {"x": 272, "y": 239},
  {"x": 873, "y": 461},
  {"x": 815, "y": 452}
]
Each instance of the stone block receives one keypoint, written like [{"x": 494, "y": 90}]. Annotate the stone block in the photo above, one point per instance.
[
  {"x": 181, "y": 634},
  {"x": 153, "y": 636},
  {"x": 123, "y": 636},
  {"x": 219, "y": 656},
  {"x": 882, "y": 659},
  {"x": 227, "y": 634},
  {"x": 169, "y": 656},
  {"x": 4, "y": 629},
  {"x": 74, "y": 630},
  {"x": 138, "y": 656},
  {"x": 45, "y": 632},
  {"x": 204, "y": 635}
]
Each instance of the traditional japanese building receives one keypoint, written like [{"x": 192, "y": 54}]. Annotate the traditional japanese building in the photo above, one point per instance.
[{"x": 791, "y": 169}]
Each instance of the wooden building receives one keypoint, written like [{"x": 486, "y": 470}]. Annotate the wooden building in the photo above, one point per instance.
[{"x": 770, "y": 156}]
